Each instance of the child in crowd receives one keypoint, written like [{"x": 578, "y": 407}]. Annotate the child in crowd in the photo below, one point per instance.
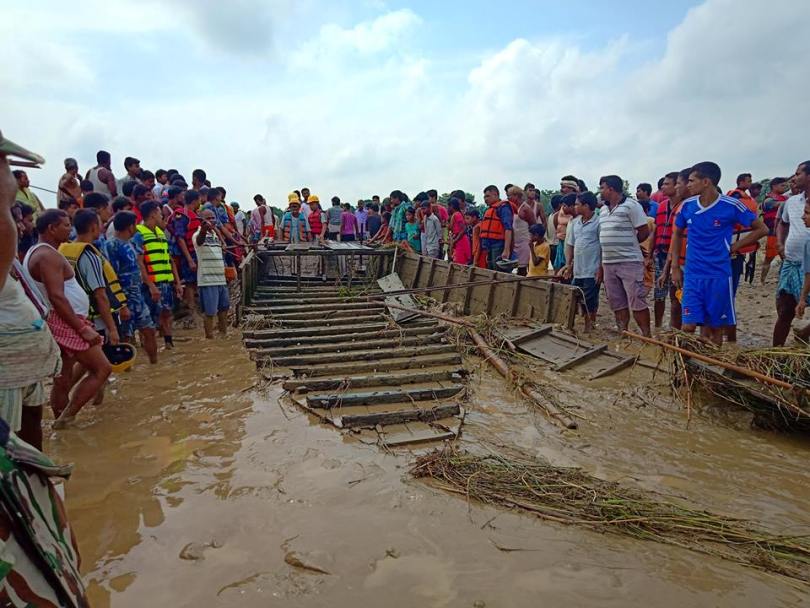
[
  {"x": 472, "y": 218},
  {"x": 412, "y": 230},
  {"x": 540, "y": 253}
]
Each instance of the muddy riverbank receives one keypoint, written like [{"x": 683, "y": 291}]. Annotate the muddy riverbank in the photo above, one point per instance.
[{"x": 195, "y": 488}]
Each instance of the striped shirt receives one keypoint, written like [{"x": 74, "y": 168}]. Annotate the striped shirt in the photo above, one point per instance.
[
  {"x": 617, "y": 231},
  {"x": 210, "y": 265}
]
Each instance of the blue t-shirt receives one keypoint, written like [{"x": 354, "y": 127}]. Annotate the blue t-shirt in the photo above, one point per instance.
[
  {"x": 124, "y": 261},
  {"x": 710, "y": 230},
  {"x": 653, "y": 210}
]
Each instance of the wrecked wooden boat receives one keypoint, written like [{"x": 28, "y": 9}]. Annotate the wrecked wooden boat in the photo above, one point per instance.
[{"x": 318, "y": 319}]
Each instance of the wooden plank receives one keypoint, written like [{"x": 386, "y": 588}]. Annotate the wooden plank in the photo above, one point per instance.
[
  {"x": 415, "y": 439},
  {"x": 392, "y": 282},
  {"x": 328, "y": 401},
  {"x": 622, "y": 364},
  {"x": 359, "y": 355},
  {"x": 577, "y": 359},
  {"x": 415, "y": 282},
  {"x": 468, "y": 292},
  {"x": 337, "y": 331},
  {"x": 389, "y": 378},
  {"x": 346, "y": 347},
  {"x": 490, "y": 297},
  {"x": 304, "y": 308},
  {"x": 515, "y": 300},
  {"x": 326, "y": 339},
  {"x": 329, "y": 322},
  {"x": 431, "y": 270},
  {"x": 532, "y": 335},
  {"x": 385, "y": 418},
  {"x": 384, "y": 364},
  {"x": 447, "y": 281}
]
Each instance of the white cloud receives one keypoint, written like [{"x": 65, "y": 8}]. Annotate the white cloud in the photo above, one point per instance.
[{"x": 365, "y": 109}]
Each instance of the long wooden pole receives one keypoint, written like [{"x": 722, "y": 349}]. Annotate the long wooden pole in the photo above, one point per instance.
[
  {"x": 503, "y": 369},
  {"x": 711, "y": 361}
]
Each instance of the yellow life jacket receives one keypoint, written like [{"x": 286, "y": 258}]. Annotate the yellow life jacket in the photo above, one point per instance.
[
  {"x": 116, "y": 296},
  {"x": 156, "y": 254}
]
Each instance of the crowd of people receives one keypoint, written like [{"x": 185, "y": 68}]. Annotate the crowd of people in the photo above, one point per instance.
[
  {"x": 684, "y": 243},
  {"x": 114, "y": 260},
  {"x": 117, "y": 257}
]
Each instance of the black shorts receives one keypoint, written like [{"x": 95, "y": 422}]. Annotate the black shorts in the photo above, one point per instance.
[{"x": 590, "y": 293}]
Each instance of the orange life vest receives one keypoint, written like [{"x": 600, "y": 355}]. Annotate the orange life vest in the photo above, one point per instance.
[
  {"x": 491, "y": 225},
  {"x": 749, "y": 202}
]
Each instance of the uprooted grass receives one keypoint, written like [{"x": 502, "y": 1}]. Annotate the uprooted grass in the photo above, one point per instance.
[
  {"x": 773, "y": 406},
  {"x": 570, "y": 496}
]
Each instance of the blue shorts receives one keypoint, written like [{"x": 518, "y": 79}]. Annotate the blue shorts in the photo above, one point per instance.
[
  {"x": 214, "y": 299},
  {"x": 140, "y": 317},
  {"x": 708, "y": 302},
  {"x": 166, "y": 301}
]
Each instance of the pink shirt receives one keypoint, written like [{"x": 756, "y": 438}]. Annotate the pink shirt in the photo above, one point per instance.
[{"x": 347, "y": 222}]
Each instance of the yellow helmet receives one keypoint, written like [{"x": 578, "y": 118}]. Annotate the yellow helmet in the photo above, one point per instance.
[{"x": 121, "y": 356}]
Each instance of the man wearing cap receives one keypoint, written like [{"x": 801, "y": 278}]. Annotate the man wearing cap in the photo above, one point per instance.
[
  {"x": 69, "y": 188},
  {"x": 317, "y": 218},
  {"x": 24, "y": 195},
  {"x": 294, "y": 225}
]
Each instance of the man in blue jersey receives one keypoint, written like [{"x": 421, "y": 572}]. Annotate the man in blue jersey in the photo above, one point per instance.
[{"x": 708, "y": 294}]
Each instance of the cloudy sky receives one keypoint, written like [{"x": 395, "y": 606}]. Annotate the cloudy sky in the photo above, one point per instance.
[{"x": 360, "y": 98}]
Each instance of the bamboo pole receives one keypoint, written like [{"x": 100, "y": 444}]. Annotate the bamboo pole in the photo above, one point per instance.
[
  {"x": 503, "y": 369},
  {"x": 711, "y": 361}
]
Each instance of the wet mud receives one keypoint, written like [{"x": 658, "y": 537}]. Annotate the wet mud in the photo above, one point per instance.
[{"x": 195, "y": 487}]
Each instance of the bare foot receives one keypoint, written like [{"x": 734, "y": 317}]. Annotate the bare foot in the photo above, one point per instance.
[{"x": 64, "y": 422}]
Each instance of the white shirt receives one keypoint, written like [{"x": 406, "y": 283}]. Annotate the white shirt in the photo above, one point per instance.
[
  {"x": 798, "y": 234},
  {"x": 210, "y": 265}
]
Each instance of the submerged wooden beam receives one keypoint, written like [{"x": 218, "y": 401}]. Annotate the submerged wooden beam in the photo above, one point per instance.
[
  {"x": 305, "y": 332},
  {"x": 332, "y": 339},
  {"x": 584, "y": 356},
  {"x": 404, "y": 395},
  {"x": 360, "y": 355},
  {"x": 384, "y": 418},
  {"x": 345, "y": 347},
  {"x": 389, "y": 378},
  {"x": 622, "y": 364},
  {"x": 419, "y": 360}
]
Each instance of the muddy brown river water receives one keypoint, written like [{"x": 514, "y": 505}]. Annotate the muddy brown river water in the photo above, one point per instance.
[{"x": 193, "y": 487}]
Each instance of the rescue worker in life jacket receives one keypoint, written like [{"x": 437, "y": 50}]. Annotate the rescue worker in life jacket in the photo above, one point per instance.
[
  {"x": 98, "y": 279},
  {"x": 95, "y": 275},
  {"x": 496, "y": 228}
]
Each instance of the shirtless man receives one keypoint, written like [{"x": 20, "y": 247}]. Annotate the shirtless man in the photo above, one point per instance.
[{"x": 69, "y": 307}]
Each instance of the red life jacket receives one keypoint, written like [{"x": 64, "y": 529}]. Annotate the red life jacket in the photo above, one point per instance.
[
  {"x": 749, "y": 202},
  {"x": 193, "y": 225},
  {"x": 769, "y": 215},
  {"x": 315, "y": 220}
]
